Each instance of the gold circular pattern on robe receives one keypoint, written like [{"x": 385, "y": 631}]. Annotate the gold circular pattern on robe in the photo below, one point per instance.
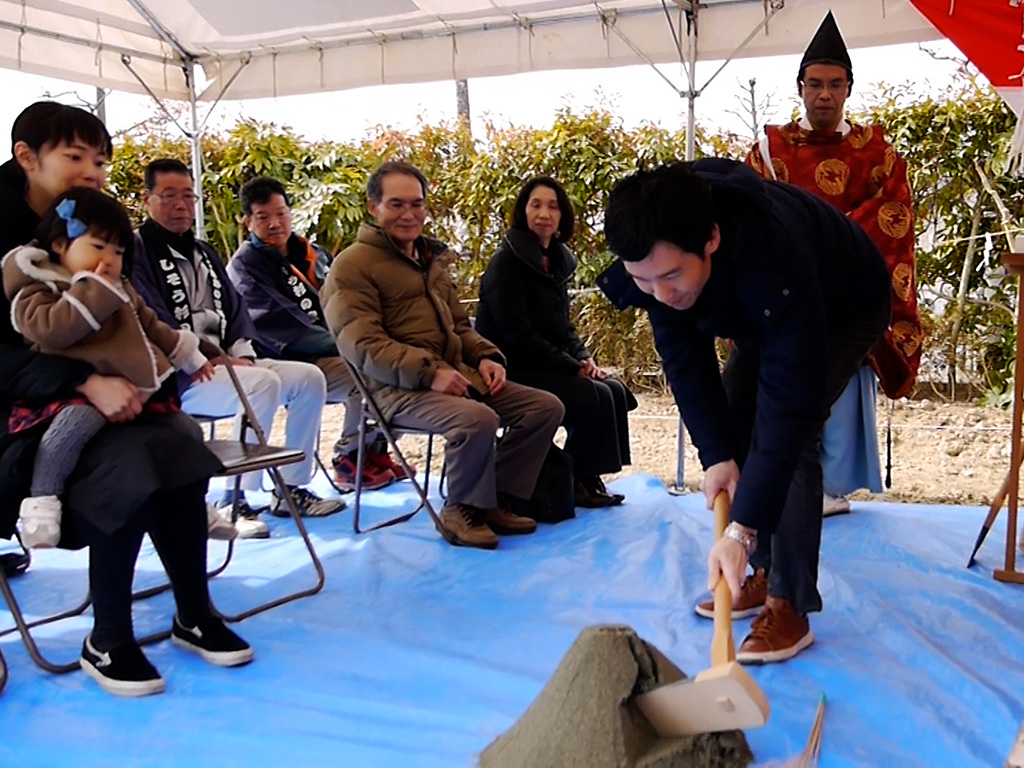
[
  {"x": 831, "y": 176},
  {"x": 859, "y": 136},
  {"x": 902, "y": 278},
  {"x": 781, "y": 171},
  {"x": 906, "y": 337},
  {"x": 787, "y": 132},
  {"x": 894, "y": 219}
]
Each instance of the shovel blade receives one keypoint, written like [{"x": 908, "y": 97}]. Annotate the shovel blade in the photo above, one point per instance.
[{"x": 724, "y": 698}]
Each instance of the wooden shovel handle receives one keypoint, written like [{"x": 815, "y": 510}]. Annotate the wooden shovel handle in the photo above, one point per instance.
[{"x": 723, "y": 649}]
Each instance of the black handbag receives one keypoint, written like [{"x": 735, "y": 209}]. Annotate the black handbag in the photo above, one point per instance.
[{"x": 553, "y": 497}]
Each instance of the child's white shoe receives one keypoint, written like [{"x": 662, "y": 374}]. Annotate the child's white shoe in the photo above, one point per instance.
[{"x": 40, "y": 522}]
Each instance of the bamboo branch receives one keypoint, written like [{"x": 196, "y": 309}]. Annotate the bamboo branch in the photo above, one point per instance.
[{"x": 1004, "y": 213}]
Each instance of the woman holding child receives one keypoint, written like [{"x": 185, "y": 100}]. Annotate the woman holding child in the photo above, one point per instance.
[{"x": 142, "y": 472}]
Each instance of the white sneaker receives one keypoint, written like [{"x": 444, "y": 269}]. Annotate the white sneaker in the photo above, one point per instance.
[
  {"x": 244, "y": 528},
  {"x": 217, "y": 527},
  {"x": 40, "y": 522},
  {"x": 834, "y": 505},
  {"x": 251, "y": 528}
]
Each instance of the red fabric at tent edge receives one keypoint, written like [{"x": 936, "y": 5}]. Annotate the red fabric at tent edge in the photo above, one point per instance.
[{"x": 990, "y": 33}]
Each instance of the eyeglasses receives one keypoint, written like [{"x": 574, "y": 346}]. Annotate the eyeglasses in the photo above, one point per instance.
[
  {"x": 170, "y": 198},
  {"x": 400, "y": 205},
  {"x": 834, "y": 87}
]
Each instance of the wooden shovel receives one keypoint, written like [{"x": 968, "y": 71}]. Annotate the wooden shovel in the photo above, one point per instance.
[{"x": 722, "y": 698}]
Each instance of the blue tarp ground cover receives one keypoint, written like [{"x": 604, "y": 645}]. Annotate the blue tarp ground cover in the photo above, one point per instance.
[{"x": 419, "y": 654}]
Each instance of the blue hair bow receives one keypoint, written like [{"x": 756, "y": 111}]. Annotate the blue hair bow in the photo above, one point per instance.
[{"x": 75, "y": 227}]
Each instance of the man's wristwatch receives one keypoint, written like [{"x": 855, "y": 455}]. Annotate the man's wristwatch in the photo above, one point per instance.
[{"x": 745, "y": 537}]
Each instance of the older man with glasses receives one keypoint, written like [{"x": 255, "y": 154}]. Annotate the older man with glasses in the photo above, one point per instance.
[{"x": 185, "y": 282}]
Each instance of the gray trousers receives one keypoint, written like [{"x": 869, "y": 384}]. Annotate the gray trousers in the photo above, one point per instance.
[
  {"x": 479, "y": 465},
  {"x": 342, "y": 389}
]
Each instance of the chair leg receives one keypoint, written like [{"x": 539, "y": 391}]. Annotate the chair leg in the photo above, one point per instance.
[
  {"x": 24, "y": 628},
  {"x": 76, "y": 611},
  {"x": 3, "y": 672},
  {"x": 26, "y": 635},
  {"x": 329, "y": 475},
  {"x": 286, "y": 495},
  {"x": 144, "y": 594},
  {"x": 421, "y": 490}
]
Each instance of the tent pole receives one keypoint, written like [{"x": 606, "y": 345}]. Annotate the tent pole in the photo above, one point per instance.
[
  {"x": 691, "y": 153},
  {"x": 195, "y": 136},
  {"x": 691, "y": 93}
]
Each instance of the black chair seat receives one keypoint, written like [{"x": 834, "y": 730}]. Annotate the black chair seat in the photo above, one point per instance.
[{"x": 239, "y": 458}]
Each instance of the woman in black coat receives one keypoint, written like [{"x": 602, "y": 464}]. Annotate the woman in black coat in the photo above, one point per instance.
[
  {"x": 134, "y": 477},
  {"x": 524, "y": 309}
]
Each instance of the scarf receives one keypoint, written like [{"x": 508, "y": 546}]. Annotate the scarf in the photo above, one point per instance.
[
  {"x": 297, "y": 285},
  {"x": 159, "y": 242}
]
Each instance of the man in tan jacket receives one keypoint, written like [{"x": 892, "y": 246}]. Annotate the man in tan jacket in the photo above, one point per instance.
[{"x": 391, "y": 303}]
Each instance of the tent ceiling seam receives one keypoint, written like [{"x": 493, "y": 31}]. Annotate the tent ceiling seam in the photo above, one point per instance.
[
  {"x": 23, "y": 30},
  {"x": 375, "y": 37}
]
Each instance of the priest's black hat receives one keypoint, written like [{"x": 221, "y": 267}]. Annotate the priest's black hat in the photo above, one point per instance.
[{"x": 827, "y": 47}]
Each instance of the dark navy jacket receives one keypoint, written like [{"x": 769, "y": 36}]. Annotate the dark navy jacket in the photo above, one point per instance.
[
  {"x": 284, "y": 330},
  {"x": 147, "y": 279},
  {"x": 791, "y": 275}
]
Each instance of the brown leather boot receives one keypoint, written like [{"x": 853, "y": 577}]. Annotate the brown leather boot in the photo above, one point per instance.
[
  {"x": 752, "y": 597},
  {"x": 463, "y": 526},
  {"x": 778, "y": 633},
  {"x": 501, "y": 519}
]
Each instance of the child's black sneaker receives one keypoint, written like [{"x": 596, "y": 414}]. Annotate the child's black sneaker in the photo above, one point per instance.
[
  {"x": 122, "y": 671},
  {"x": 212, "y": 640}
]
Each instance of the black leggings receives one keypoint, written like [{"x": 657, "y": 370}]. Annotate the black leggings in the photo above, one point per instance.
[{"x": 176, "y": 523}]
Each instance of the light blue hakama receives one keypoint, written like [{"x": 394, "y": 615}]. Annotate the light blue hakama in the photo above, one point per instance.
[{"x": 849, "y": 441}]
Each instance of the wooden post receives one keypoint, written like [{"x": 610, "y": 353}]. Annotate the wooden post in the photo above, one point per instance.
[{"x": 1014, "y": 263}]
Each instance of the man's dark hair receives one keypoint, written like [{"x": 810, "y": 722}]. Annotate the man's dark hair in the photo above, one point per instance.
[
  {"x": 670, "y": 203},
  {"x": 163, "y": 165},
  {"x": 102, "y": 216},
  {"x": 375, "y": 184},
  {"x": 259, "y": 190},
  {"x": 567, "y": 220}
]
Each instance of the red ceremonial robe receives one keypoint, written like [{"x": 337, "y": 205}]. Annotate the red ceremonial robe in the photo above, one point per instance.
[{"x": 861, "y": 174}]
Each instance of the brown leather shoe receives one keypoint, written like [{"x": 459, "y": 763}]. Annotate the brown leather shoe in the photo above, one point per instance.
[
  {"x": 463, "y": 526},
  {"x": 778, "y": 633},
  {"x": 752, "y": 597},
  {"x": 591, "y": 493},
  {"x": 501, "y": 519}
]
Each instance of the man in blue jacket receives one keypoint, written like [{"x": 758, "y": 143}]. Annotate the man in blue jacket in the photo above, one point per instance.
[
  {"x": 279, "y": 274},
  {"x": 711, "y": 250}
]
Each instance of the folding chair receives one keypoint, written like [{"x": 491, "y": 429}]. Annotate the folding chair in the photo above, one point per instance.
[
  {"x": 237, "y": 457},
  {"x": 371, "y": 414}
]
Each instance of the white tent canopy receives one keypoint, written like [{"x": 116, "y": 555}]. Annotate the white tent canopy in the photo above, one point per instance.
[{"x": 259, "y": 48}]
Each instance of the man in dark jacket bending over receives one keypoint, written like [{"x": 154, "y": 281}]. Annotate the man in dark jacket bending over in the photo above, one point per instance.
[{"x": 711, "y": 250}]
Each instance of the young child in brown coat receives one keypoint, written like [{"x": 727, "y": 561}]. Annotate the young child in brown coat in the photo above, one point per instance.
[{"x": 70, "y": 297}]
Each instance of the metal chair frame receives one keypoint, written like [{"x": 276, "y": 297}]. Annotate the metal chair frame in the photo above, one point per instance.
[
  {"x": 371, "y": 413},
  {"x": 238, "y": 457}
]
